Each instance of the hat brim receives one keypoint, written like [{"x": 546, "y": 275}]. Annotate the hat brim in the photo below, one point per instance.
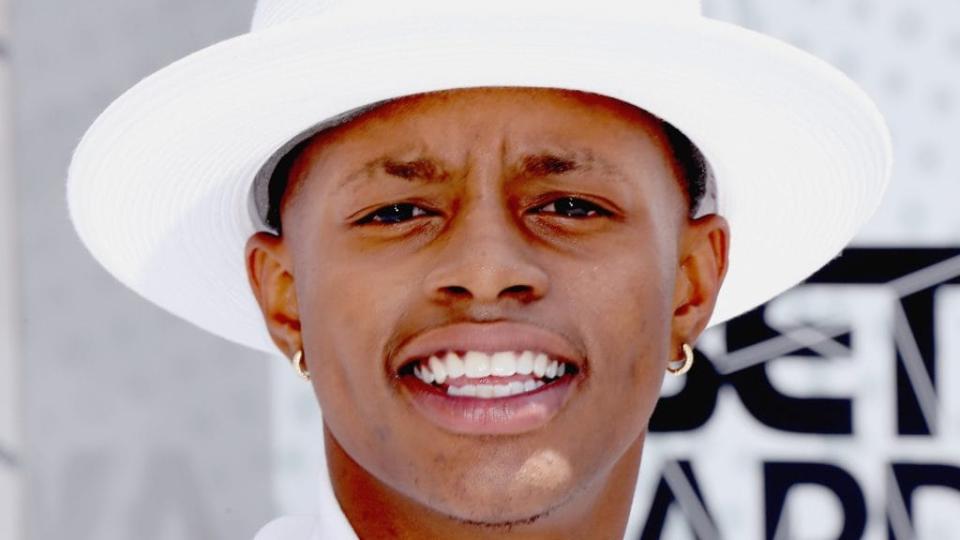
[{"x": 158, "y": 187}]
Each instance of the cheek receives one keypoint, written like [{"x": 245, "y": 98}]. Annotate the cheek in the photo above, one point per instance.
[
  {"x": 625, "y": 301},
  {"x": 349, "y": 303},
  {"x": 345, "y": 312},
  {"x": 625, "y": 308}
]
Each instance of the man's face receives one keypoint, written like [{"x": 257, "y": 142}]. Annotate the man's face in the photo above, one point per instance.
[{"x": 528, "y": 219}]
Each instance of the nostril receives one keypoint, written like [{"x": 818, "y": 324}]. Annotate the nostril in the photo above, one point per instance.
[
  {"x": 524, "y": 289},
  {"x": 513, "y": 290},
  {"x": 522, "y": 293},
  {"x": 456, "y": 290}
]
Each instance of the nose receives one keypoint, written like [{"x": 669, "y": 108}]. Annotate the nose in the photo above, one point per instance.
[{"x": 485, "y": 259}]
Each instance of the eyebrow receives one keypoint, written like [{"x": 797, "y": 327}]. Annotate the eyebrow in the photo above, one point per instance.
[{"x": 536, "y": 165}]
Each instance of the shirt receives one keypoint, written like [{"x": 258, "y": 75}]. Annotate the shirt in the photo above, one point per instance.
[{"x": 330, "y": 523}]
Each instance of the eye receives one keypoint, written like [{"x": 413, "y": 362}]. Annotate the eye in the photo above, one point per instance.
[
  {"x": 574, "y": 207},
  {"x": 392, "y": 214}
]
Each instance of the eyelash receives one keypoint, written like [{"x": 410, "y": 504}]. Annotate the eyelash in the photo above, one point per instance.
[
  {"x": 368, "y": 219},
  {"x": 596, "y": 211}
]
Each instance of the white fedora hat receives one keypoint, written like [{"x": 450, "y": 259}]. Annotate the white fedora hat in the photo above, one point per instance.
[{"x": 160, "y": 188}]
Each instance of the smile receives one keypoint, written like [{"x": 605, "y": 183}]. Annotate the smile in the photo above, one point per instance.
[{"x": 484, "y": 379}]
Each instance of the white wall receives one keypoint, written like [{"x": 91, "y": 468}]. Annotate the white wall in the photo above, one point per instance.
[
  {"x": 135, "y": 423},
  {"x": 10, "y": 442}
]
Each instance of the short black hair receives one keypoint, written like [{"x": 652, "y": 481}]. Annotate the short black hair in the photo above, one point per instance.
[
  {"x": 278, "y": 183},
  {"x": 694, "y": 172}
]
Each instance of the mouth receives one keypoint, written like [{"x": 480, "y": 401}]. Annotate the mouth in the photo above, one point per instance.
[
  {"x": 488, "y": 376},
  {"x": 498, "y": 379}
]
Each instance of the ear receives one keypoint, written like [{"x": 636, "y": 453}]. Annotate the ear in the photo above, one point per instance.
[
  {"x": 702, "y": 265},
  {"x": 271, "y": 278}
]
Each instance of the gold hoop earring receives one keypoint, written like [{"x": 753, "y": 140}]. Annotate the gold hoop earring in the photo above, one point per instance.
[
  {"x": 300, "y": 365},
  {"x": 687, "y": 362}
]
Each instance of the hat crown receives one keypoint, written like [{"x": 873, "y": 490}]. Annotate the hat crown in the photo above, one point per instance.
[{"x": 273, "y": 12}]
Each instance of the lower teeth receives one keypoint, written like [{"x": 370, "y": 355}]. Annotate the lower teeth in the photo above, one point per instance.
[{"x": 494, "y": 391}]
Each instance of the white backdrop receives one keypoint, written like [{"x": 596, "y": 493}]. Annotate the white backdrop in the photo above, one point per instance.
[
  {"x": 10, "y": 444},
  {"x": 135, "y": 424}
]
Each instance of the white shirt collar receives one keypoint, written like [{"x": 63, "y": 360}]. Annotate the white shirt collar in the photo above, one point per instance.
[{"x": 330, "y": 523}]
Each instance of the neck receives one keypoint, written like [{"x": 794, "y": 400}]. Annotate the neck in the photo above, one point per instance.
[{"x": 378, "y": 511}]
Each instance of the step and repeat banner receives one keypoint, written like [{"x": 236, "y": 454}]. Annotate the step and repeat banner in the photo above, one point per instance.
[
  {"x": 838, "y": 416},
  {"x": 839, "y": 419}
]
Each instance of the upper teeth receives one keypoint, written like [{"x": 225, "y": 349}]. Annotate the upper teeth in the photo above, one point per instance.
[{"x": 476, "y": 365}]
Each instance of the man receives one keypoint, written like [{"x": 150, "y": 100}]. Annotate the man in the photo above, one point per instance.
[
  {"x": 518, "y": 217},
  {"x": 533, "y": 220}
]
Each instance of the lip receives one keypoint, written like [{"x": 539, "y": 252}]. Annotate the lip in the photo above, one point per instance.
[
  {"x": 488, "y": 338},
  {"x": 488, "y": 416},
  {"x": 493, "y": 416}
]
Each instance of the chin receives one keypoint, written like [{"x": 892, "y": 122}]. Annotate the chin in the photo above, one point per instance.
[
  {"x": 498, "y": 498},
  {"x": 494, "y": 513}
]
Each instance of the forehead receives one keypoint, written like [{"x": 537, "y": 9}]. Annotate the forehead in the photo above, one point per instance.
[
  {"x": 469, "y": 101},
  {"x": 538, "y": 110},
  {"x": 539, "y": 131}
]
